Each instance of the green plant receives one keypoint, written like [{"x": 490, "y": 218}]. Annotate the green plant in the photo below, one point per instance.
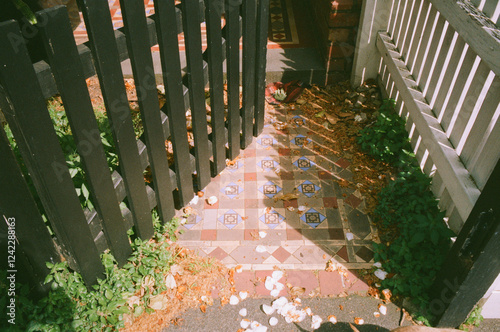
[
  {"x": 475, "y": 318},
  {"x": 279, "y": 95},
  {"x": 387, "y": 139}
]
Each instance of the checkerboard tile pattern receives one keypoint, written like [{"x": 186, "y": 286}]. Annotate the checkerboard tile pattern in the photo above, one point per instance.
[{"x": 251, "y": 225}]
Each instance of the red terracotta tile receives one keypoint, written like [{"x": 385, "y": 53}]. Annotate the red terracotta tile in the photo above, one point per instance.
[
  {"x": 208, "y": 235},
  {"x": 284, "y": 152},
  {"x": 218, "y": 253},
  {"x": 293, "y": 203},
  {"x": 260, "y": 288},
  {"x": 294, "y": 234},
  {"x": 248, "y": 153},
  {"x": 248, "y": 234},
  {"x": 343, "y": 163},
  {"x": 281, "y": 254},
  {"x": 306, "y": 279},
  {"x": 250, "y": 176},
  {"x": 343, "y": 253},
  {"x": 353, "y": 201},
  {"x": 330, "y": 202},
  {"x": 244, "y": 281},
  {"x": 330, "y": 283},
  {"x": 358, "y": 286}
]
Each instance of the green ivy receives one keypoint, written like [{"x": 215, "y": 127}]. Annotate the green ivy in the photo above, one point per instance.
[{"x": 414, "y": 237}]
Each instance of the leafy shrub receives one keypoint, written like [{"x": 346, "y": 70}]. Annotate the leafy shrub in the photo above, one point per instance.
[{"x": 387, "y": 138}]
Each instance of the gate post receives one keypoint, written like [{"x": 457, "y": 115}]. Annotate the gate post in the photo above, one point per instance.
[{"x": 473, "y": 262}]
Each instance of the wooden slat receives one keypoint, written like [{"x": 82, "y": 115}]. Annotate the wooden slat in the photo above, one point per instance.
[
  {"x": 426, "y": 40},
  {"x": 454, "y": 173},
  {"x": 233, "y": 76},
  {"x": 476, "y": 29},
  {"x": 194, "y": 59},
  {"x": 260, "y": 66},
  {"x": 42, "y": 154},
  {"x": 402, "y": 23},
  {"x": 105, "y": 53},
  {"x": 145, "y": 83},
  {"x": 417, "y": 39},
  {"x": 411, "y": 29},
  {"x": 214, "y": 48},
  {"x": 61, "y": 50},
  {"x": 28, "y": 225},
  {"x": 174, "y": 107},
  {"x": 393, "y": 22},
  {"x": 249, "y": 34}
]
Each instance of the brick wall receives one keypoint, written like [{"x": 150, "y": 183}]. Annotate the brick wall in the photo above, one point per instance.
[{"x": 337, "y": 26}]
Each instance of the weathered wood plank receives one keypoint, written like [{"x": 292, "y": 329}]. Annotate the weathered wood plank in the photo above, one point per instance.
[
  {"x": 39, "y": 146},
  {"x": 443, "y": 154},
  {"x": 260, "y": 66}
]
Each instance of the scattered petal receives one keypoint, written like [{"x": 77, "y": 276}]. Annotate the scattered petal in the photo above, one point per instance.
[
  {"x": 273, "y": 321},
  {"x": 176, "y": 269},
  {"x": 279, "y": 286},
  {"x": 234, "y": 300},
  {"x": 158, "y": 302},
  {"x": 277, "y": 275},
  {"x": 332, "y": 319},
  {"x": 262, "y": 234},
  {"x": 243, "y": 295},
  {"x": 260, "y": 248},
  {"x": 387, "y": 294},
  {"x": 359, "y": 321},
  {"x": 268, "y": 309},
  {"x": 377, "y": 265},
  {"x": 290, "y": 208},
  {"x": 382, "y": 308},
  {"x": 297, "y": 301},
  {"x": 349, "y": 236},
  {"x": 269, "y": 283},
  {"x": 279, "y": 303},
  {"x": 200, "y": 193},
  {"x": 195, "y": 200},
  {"x": 309, "y": 311},
  {"x": 170, "y": 282},
  {"x": 381, "y": 274},
  {"x": 275, "y": 293},
  {"x": 245, "y": 323},
  {"x": 316, "y": 322},
  {"x": 302, "y": 208},
  {"x": 238, "y": 269},
  {"x": 376, "y": 314},
  {"x": 243, "y": 312},
  {"x": 161, "y": 88},
  {"x": 212, "y": 200}
]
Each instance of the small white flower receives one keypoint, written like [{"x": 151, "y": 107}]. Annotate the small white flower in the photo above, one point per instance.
[
  {"x": 273, "y": 321},
  {"x": 381, "y": 274},
  {"x": 279, "y": 286},
  {"x": 161, "y": 88},
  {"x": 234, "y": 300},
  {"x": 243, "y": 312},
  {"x": 309, "y": 311}
]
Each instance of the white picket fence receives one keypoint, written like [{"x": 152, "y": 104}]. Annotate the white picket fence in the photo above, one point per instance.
[{"x": 440, "y": 60}]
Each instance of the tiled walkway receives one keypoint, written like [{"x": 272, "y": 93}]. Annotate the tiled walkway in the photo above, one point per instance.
[{"x": 302, "y": 233}]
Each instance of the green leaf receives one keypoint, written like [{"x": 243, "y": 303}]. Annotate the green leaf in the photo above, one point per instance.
[
  {"x": 108, "y": 294},
  {"x": 434, "y": 236},
  {"x": 85, "y": 191}
]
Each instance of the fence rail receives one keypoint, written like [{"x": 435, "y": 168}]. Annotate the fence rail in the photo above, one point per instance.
[
  {"x": 440, "y": 61},
  {"x": 83, "y": 234}
]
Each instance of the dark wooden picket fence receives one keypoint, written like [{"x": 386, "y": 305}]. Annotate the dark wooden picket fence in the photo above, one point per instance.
[{"x": 81, "y": 235}]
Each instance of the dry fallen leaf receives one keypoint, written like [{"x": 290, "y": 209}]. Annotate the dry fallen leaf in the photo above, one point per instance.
[
  {"x": 332, "y": 118},
  {"x": 203, "y": 308},
  {"x": 341, "y": 307},
  {"x": 297, "y": 291},
  {"x": 286, "y": 197}
]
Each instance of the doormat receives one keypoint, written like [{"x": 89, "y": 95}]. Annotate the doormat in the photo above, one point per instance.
[{"x": 282, "y": 27}]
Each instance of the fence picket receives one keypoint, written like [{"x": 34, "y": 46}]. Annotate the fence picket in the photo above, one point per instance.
[
  {"x": 196, "y": 85},
  {"x": 106, "y": 59},
  {"x": 249, "y": 34},
  {"x": 144, "y": 77},
  {"x": 232, "y": 27},
  {"x": 166, "y": 26},
  {"x": 18, "y": 204},
  {"x": 42, "y": 154},
  {"x": 61, "y": 50},
  {"x": 214, "y": 48},
  {"x": 260, "y": 66}
]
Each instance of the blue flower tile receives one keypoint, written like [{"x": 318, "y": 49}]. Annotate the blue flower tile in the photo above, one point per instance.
[
  {"x": 304, "y": 163},
  {"x": 192, "y": 220},
  {"x": 300, "y": 140},
  {"x": 266, "y": 140},
  {"x": 233, "y": 167},
  {"x": 299, "y": 121},
  {"x": 308, "y": 188},
  {"x": 313, "y": 218},
  {"x": 270, "y": 189},
  {"x": 272, "y": 219},
  {"x": 231, "y": 190},
  {"x": 230, "y": 219},
  {"x": 268, "y": 164}
]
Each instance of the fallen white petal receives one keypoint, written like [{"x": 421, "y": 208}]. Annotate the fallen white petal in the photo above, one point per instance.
[
  {"x": 269, "y": 283},
  {"x": 381, "y": 274},
  {"x": 245, "y": 323},
  {"x": 170, "y": 282},
  {"x": 275, "y": 293},
  {"x": 309, "y": 311},
  {"x": 243, "y": 295},
  {"x": 332, "y": 319},
  {"x": 288, "y": 319},
  {"x": 377, "y": 265},
  {"x": 262, "y": 234},
  {"x": 277, "y": 275},
  {"x": 234, "y": 300},
  {"x": 349, "y": 236},
  {"x": 279, "y": 286},
  {"x": 382, "y": 308},
  {"x": 195, "y": 200},
  {"x": 290, "y": 208},
  {"x": 239, "y": 269},
  {"x": 273, "y": 321},
  {"x": 316, "y": 322},
  {"x": 268, "y": 309},
  {"x": 376, "y": 314},
  {"x": 302, "y": 208},
  {"x": 243, "y": 312},
  {"x": 297, "y": 301},
  {"x": 212, "y": 200},
  {"x": 255, "y": 324},
  {"x": 260, "y": 248},
  {"x": 279, "y": 303},
  {"x": 161, "y": 88}
]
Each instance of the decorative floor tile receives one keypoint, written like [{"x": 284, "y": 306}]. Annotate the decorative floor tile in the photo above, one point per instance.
[
  {"x": 192, "y": 220},
  {"x": 234, "y": 166},
  {"x": 308, "y": 188},
  {"x": 300, "y": 140},
  {"x": 270, "y": 189},
  {"x": 271, "y": 218},
  {"x": 230, "y": 219},
  {"x": 268, "y": 164},
  {"x": 304, "y": 163},
  {"x": 231, "y": 190},
  {"x": 266, "y": 141},
  {"x": 312, "y": 218}
]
